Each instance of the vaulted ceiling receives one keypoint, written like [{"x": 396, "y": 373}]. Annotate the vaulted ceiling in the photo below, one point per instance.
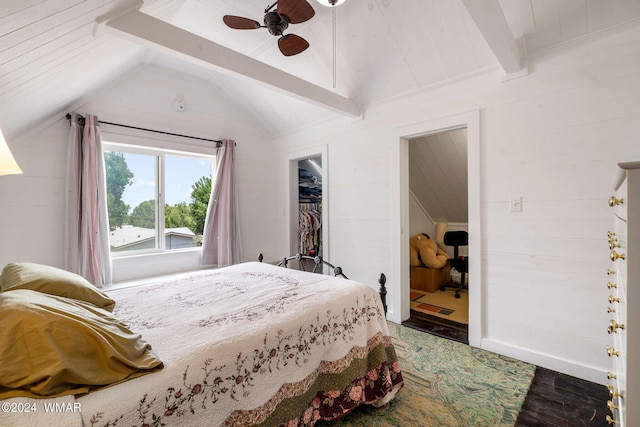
[
  {"x": 55, "y": 53},
  {"x": 438, "y": 175}
]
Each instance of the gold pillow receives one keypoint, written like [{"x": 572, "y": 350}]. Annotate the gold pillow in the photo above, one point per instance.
[
  {"x": 53, "y": 346},
  {"x": 53, "y": 281}
]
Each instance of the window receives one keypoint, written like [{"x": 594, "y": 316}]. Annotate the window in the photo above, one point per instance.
[{"x": 157, "y": 200}]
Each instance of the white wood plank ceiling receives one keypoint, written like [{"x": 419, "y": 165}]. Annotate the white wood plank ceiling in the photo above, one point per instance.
[{"x": 50, "y": 59}]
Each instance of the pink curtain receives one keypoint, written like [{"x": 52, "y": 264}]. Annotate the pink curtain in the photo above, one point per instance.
[
  {"x": 87, "y": 245},
  {"x": 221, "y": 238}
]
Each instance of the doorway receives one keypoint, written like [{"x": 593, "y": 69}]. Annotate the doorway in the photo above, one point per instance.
[
  {"x": 399, "y": 291},
  {"x": 310, "y": 209},
  {"x": 438, "y": 213},
  {"x": 308, "y": 202}
]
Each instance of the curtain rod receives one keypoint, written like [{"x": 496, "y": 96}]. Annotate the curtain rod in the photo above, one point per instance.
[{"x": 217, "y": 141}]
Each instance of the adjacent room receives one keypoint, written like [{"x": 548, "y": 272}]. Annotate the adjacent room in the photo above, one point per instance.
[
  {"x": 438, "y": 217},
  {"x": 458, "y": 178}
]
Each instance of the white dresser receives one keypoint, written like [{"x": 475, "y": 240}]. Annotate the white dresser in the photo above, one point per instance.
[{"x": 624, "y": 300}]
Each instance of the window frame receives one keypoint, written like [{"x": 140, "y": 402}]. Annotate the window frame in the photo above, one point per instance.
[{"x": 159, "y": 151}]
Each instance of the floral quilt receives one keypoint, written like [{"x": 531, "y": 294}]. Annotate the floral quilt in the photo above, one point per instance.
[{"x": 251, "y": 344}]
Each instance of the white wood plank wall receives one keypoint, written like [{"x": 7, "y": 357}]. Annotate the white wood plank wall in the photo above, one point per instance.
[
  {"x": 553, "y": 138},
  {"x": 32, "y": 207}
]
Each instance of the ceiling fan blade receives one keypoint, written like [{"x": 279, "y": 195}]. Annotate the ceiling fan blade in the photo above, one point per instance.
[
  {"x": 292, "y": 45},
  {"x": 296, "y": 11},
  {"x": 240, "y": 23}
]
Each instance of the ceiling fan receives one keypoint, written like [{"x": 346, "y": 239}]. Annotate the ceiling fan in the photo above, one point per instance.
[{"x": 287, "y": 12}]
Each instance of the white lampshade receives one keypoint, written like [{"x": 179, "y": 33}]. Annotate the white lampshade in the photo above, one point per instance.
[
  {"x": 331, "y": 3},
  {"x": 8, "y": 165}
]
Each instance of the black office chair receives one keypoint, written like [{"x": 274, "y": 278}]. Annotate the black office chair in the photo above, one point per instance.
[{"x": 458, "y": 263}]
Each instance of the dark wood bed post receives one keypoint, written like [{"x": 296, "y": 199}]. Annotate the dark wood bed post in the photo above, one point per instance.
[
  {"x": 383, "y": 292},
  {"x": 338, "y": 271}
]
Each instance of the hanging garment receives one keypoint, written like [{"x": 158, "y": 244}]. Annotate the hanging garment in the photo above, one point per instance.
[{"x": 309, "y": 231}]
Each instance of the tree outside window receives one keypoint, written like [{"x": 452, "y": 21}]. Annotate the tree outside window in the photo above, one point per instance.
[{"x": 139, "y": 182}]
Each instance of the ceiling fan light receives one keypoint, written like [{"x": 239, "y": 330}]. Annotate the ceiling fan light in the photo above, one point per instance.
[{"x": 331, "y": 3}]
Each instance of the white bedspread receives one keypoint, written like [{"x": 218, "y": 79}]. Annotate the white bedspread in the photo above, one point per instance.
[{"x": 236, "y": 341}]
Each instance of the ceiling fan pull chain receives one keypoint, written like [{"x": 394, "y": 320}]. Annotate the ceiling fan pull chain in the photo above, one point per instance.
[{"x": 334, "y": 47}]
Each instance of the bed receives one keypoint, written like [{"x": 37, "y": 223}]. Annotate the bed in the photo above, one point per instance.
[{"x": 249, "y": 344}]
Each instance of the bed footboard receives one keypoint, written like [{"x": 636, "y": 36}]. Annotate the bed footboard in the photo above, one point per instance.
[{"x": 319, "y": 264}]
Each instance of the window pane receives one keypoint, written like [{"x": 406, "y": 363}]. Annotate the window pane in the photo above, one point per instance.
[
  {"x": 131, "y": 200},
  {"x": 187, "y": 190},
  {"x": 134, "y": 192}
]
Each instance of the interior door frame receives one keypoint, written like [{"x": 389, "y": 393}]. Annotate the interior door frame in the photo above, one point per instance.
[
  {"x": 398, "y": 298},
  {"x": 293, "y": 158}
]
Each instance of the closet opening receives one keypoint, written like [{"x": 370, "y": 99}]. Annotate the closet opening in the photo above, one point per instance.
[{"x": 308, "y": 207}]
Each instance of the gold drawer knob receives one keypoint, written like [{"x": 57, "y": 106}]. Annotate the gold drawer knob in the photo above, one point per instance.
[
  {"x": 613, "y": 327},
  {"x": 611, "y": 376},
  {"x": 613, "y": 299},
  {"x": 615, "y": 256},
  {"x": 610, "y": 272},
  {"x": 612, "y": 406},
  {"x": 610, "y": 420},
  {"x": 613, "y": 392},
  {"x": 610, "y": 310},
  {"x": 615, "y": 202},
  {"x": 612, "y": 352},
  {"x": 611, "y": 233},
  {"x": 613, "y": 245},
  {"x": 611, "y": 285}
]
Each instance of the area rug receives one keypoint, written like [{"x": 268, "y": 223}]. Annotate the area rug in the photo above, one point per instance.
[
  {"x": 448, "y": 384},
  {"x": 442, "y": 304}
]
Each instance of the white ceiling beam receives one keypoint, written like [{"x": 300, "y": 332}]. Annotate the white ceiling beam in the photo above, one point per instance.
[
  {"x": 490, "y": 20},
  {"x": 158, "y": 35}
]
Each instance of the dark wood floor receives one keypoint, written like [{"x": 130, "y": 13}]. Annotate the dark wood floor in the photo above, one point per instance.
[
  {"x": 554, "y": 399},
  {"x": 437, "y": 326},
  {"x": 559, "y": 400}
]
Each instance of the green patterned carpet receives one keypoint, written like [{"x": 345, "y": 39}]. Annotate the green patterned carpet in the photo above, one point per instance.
[{"x": 448, "y": 384}]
